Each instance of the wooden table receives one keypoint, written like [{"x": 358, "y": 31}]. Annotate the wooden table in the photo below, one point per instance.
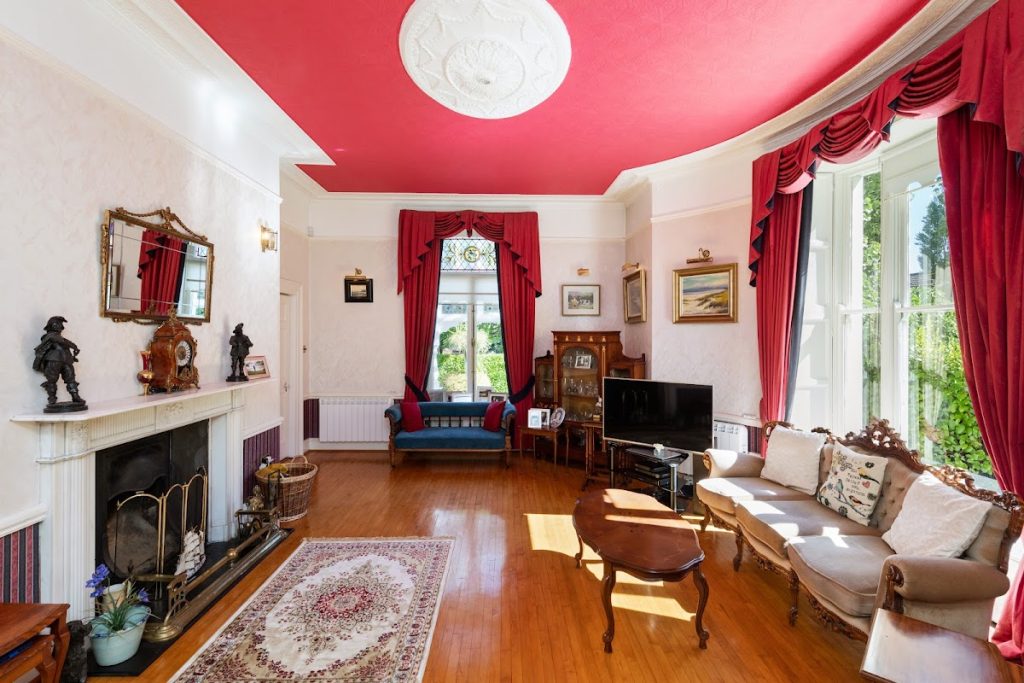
[
  {"x": 905, "y": 650},
  {"x": 543, "y": 432},
  {"x": 21, "y": 624},
  {"x": 634, "y": 533},
  {"x": 591, "y": 433}
]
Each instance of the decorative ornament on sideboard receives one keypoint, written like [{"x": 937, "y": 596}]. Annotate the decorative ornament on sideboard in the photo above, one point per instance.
[
  {"x": 56, "y": 358},
  {"x": 172, "y": 355},
  {"x": 240, "y": 345}
]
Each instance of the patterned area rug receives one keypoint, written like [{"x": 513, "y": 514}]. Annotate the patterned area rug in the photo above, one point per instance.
[{"x": 336, "y": 610}]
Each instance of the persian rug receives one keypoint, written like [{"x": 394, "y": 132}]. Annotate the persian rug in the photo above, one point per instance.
[{"x": 336, "y": 610}]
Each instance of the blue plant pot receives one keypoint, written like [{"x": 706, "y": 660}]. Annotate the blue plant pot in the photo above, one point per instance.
[{"x": 117, "y": 647}]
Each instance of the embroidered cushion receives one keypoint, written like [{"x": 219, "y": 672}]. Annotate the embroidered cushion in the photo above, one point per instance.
[
  {"x": 853, "y": 483},
  {"x": 793, "y": 458},
  {"x": 936, "y": 520},
  {"x": 412, "y": 418},
  {"x": 492, "y": 418}
]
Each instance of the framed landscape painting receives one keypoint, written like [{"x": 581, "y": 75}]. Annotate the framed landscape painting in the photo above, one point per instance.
[
  {"x": 581, "y": 299},
  {"x": 705, "y": 295},
  {"x": 634, "y": 297}
]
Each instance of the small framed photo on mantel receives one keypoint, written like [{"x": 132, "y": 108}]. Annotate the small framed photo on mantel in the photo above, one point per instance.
[
  {"x": 256, "y": 366},
  {"x": 358, "y": 290}
]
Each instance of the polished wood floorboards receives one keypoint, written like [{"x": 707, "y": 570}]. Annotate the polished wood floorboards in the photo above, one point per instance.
[{"x": 515, "y": 608}]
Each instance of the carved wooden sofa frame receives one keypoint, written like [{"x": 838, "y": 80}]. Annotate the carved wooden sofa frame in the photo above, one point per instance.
[{"x": 878, "y": 437}]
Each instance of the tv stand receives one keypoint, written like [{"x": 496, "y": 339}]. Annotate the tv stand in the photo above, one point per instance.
[{"x": 659, "y": 473}]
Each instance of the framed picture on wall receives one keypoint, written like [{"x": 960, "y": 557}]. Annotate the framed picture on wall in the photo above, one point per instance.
[
  {"x": 704, "y": 295},
  {"x": 359, "y": 291},
  {"x": 634, "y": 297},
  {"x": 581, "y": 299}
]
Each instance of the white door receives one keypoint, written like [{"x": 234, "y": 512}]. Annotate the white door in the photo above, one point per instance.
[{"x": 285, "y": 383}]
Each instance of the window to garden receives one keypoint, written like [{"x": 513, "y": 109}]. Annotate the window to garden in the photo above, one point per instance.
[
  {"x": 880, "y": 337},
  {"x": 468, "y": 366}
]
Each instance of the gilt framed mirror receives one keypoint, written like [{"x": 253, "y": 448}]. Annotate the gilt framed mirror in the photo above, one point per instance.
[{"x": 153, "y": 263}]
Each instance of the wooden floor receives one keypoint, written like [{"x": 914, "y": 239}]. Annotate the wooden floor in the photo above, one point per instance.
[{"x": 515, "y": 608}]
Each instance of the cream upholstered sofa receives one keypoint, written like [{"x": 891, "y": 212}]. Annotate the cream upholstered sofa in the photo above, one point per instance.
[{"x": 846, "y": 569}]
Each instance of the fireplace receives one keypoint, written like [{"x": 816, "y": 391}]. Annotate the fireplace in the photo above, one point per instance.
[
  {"x": 79, "y": 450},
  {"x": 148, "y": 497}
]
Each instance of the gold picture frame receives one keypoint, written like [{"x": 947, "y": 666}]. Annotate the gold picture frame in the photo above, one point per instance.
[
  {"x": 707, "y": 294},
  {"x": 256, "y": 366},
  {"x": 634, "y": 297}
]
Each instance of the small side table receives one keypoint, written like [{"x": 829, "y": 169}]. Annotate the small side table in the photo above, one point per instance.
[
  {"x": 21, "y": 625},
  {"x": 592, "y": 431},
  {"x": 905, "y": 650},
  {"x": 545, "y": 433}
]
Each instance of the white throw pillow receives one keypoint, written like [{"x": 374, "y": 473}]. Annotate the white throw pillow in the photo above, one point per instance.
[
  {"x": 853, "y": 483},
  {"x": 936, "y": 520},
  {"x": 793, "y": 459}
]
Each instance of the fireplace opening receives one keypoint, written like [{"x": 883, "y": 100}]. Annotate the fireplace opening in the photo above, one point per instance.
[{"x": 149, "y": 494}]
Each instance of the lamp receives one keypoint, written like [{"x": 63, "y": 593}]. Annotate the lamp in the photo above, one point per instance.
[
  {"x": 630, "y": 266},
  {"x": 583, "y": 271},
  {"x": 268, "y": 238}
]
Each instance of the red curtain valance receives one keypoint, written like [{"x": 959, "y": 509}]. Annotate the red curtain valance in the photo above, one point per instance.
[
  {"x": 982, "y": 66},
  {"x": 518, "y": 232}
]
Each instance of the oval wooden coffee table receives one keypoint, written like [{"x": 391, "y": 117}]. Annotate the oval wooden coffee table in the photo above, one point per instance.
[{"x": 634, "y": 533}]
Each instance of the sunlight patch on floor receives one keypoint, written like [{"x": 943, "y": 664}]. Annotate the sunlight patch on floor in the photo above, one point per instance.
[
  {"x": 651, "y": 604},
  {"x": 554, "y": 533}
]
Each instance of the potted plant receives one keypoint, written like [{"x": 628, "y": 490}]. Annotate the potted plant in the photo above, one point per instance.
[{"x": 122, "y": 613}]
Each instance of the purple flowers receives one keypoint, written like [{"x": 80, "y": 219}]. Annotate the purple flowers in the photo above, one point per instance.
[
  {"x": 119, "y": 607},
  {"x": 98, "y": 578}
]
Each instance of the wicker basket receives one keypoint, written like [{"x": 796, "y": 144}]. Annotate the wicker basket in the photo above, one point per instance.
[{"x": 289, "y": 492}]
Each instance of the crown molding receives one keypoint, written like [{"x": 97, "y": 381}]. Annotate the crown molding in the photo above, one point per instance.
[
  {"x": 183, "y": 45},
  {"x": 159, "y": 127},
  {"x": 299, "y": 177},
  {"x": 700, "y": 210},
  {"x": 936, "y": 23}
]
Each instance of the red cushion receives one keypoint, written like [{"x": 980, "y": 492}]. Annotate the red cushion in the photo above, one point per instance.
[
  {"x": 412, "y": 418},
  {"x": 492, "y": 418}
]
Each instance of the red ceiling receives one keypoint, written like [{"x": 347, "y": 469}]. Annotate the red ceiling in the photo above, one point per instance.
[{"x": 649, "y": 80}]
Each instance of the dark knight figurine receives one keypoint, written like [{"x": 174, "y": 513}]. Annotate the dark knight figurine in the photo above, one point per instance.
[
  {"x": 56, "y": 358},
  {"x": 240, "y": 345}
]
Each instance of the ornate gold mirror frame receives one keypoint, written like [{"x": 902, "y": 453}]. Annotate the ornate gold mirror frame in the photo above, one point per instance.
[{"x": 151, "y": 264}]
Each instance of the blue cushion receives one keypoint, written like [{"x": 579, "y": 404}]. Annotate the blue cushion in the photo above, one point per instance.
[{"x": 451, "y": 438}]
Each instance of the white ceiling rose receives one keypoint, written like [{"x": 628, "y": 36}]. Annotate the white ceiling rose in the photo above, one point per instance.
[{"x": 489, "y": 59}]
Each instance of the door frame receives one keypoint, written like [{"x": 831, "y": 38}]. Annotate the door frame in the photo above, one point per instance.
[{"x": 291, "y": 438}]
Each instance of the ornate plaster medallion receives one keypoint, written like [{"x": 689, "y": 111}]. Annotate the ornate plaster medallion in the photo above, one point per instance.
[{"x": 489, "y": 59}]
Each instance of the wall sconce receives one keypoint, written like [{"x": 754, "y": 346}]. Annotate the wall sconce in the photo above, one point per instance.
[
  {"x": 703, "y": 256},
  {"x": 583, "y": 271},
  {"x": 268, "y": 238},
  {"x": 630, "y": 266}
]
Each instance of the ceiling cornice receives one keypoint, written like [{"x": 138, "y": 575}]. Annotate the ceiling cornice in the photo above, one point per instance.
[
  {"x": 447, "y": 201},
  {"x": 936, "y": 23},
  {"x": 181, "y": 43}
]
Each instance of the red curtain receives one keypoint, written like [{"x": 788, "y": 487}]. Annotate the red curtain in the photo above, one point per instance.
[
  {"x": 419, "y": 271},
  {"x": 985, "y": 214},
  {"x": 780, "y": 235},
  {"x": 519, "y": 283},
  {"x": 160, "y": 261},
  {"x": 518, "y": 288}
]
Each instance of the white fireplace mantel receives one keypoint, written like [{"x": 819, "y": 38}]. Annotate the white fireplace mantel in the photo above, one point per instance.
[{"x": 68, "y": 444}]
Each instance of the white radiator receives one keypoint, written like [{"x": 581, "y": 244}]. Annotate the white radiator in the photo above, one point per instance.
[
  {"x": 354, "y": 419},
  {"x": 730, "y": 436}
]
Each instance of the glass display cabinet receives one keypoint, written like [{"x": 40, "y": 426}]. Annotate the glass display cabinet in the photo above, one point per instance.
[
  {"x": 544, "y": 386},
  {"x": 581, "y": 361}
]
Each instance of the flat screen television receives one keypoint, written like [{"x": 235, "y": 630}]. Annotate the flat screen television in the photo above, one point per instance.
[{"x": 646, "y": 412}]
